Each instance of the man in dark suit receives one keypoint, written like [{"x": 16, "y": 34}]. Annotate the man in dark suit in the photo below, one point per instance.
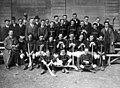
[
  {"x": 5, "y": 29},
  {"x": 99, "y": 25},
  {"x": 42, "y": 30},
  {"x": 31, "y": 28},
  {"x": 21, "y": 27},
  {"x": 108, "y": 38},
  {"x": 88, "y": 25},
  {"x": 66, "y": 22},
  {"x": 77, "y": 21},
  {"x": 14, "y": 26},
  {"x": 37, "y": 21}
]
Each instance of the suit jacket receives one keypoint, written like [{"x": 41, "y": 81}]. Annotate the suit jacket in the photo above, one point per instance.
[
  {"x": 32, "y": 30},
  {"x": 8, "y": 42},
  {"x": 43, "y": 31},
  {"x": 4, "y": 32},
  {"x": 112, "y": 39},
  {"x": 22, "y": 30},
  {"x": 16, "y": 31}
]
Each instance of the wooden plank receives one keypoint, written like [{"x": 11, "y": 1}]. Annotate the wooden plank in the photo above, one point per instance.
[{"x": 113, "y": 55}]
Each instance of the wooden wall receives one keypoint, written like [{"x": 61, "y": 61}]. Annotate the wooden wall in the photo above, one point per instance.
[{"x": 49, "y": 8}]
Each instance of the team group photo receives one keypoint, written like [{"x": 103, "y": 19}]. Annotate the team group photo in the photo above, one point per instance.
[{"x": 62, "y": 50}]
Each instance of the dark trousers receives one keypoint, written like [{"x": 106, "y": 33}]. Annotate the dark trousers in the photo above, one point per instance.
[
  {"x": 107, "y": 47},
  {"x": 13, "y": 58}
]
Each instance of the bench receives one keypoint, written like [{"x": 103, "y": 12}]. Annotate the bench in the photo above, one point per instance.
[{"x": 112, "y": 55}]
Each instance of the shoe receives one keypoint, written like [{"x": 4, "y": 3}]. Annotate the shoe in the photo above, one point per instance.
[
  {"x": 31, "y": 68},
  {"x": 67, "y": 72},
  {"x": 26, "y": 67},
  {"x": 53, "y": 71},
  {"x": 16, "y": 65},
  {"x": 102, "y": 68},
  {"x": 63, "y": 70},
  {"x": 43, "y": 72},
  {"x": 37, "y": 66}
]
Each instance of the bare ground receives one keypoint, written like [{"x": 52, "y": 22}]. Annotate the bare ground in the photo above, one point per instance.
[{"x": 18, "y": 78}]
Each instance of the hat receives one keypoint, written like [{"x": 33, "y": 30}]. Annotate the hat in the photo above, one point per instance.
[
  {"x": 36, "y": 17},
  {"x": 6, "y": 20}
]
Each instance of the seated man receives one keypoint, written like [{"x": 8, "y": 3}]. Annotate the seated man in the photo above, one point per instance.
[
  {"x": 30, "y": 43},
  {"x": 40, "y": 50},
  {"x": 101, "y": 52},
  {"x": 47, "y": 60},
  {"x": 63, "y": 60},
  {"x": 92, "y": 46},
  {"x": 87, "y": 61},
  {"x": 22, "y": 49}
]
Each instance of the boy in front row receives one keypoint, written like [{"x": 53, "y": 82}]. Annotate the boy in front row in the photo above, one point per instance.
[{"x": 87, "y": 61}]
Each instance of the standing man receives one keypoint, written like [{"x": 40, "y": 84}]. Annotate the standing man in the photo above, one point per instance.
[
  {"x": 42, "y": 30},
  {"x": 21, "y": 27},
  {"x": 14, "y": 26},
  {"x": 5, "y": 29},
  {"x": 11, "y": 51},
  {"x": 31, "y": 28},
  {"x": 88, "y": 25},
  {"x": 77, "y": 21},
  {"x": 99, "y": 25},
  {"x": 108, "y": 38}
]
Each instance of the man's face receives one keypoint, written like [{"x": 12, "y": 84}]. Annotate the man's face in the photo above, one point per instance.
[
  {"x": 82, "y": 23},
  {"x": 13, "y": 21},
  {"x": 100, "y": 38},
  {"x": 40, "y": 38},
  {"x": 71, "y": 36},
  {"x": 42, "y": 22},
  {"x": 62, "y": 52},
  {"x": 10, "y": 33},
  {"x": 74, "y": 16},
  {"x": 80, "y": 37},
  {"x": 47, "y": 21},
  {"x": 36, "y": 20},
  {"x": 65, "y": 17},
  {"x": 98, "y": 20},
  {"x": 95, "y": 26},
  {"x": 7, "y": 23},
  {"x": 86, "y": 19},
  {"x": 50, "y": 39},
  {"x": 20, "y": 21},
  {"x": 51, "y": 24},
  {"x": 56, "y": 18},
  {"x": 91, "y": 38},
  {"x": 106, "y": 25},
  {"x": 62, "y": 21},
  {"x": 60, "y": 36},
  {"x": 32, "y": 21},
  {"x": 48, "y": 53}
]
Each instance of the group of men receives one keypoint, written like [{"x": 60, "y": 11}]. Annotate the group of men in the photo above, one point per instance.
[{"x": 59, "y": 43}]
